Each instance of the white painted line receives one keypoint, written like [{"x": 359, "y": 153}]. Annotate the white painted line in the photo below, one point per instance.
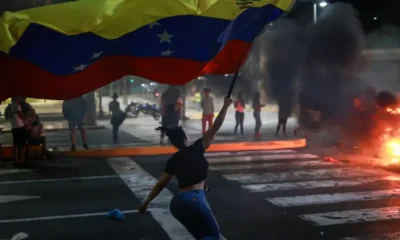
[
  {"x": 304, "y": 175},
  {"x": 140, "y": 183},
  {"x": 15, "y": 198},
  {"x": 334, "y": 198},
  {"x": 269, "y": 187},
  {"x": 63, "y": 217},
  {"x": 388, "y": 236},
  {"x": 58, "y": 179},
  {"x": 292, "y": 165},
  {"x": 352, "y": 216},
  {"x": 11, "y": 171},
  {"x": 262, "y": 158},
  {"x": 243, "y": 153}
]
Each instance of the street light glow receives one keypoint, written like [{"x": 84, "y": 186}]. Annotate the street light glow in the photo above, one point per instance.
[
  {"x": 375, "y": 18},
  {"x": 323, "y": 4}
]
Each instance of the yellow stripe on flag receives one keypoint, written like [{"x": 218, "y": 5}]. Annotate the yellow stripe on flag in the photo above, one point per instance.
[{"x": 111, "y": 19}]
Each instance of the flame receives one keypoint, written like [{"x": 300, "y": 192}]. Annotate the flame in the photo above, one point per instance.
[
  {"x": 395, "y": 111},
  {"x": 393, "y": 149}
]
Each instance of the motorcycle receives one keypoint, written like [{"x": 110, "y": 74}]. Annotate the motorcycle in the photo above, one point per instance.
[
  {"x": 151, "y": 109},
  {"x": 134, "y": 109}
]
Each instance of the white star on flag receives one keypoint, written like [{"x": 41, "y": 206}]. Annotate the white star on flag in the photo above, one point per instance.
[
  {"x": 79, "y": 68},
  {"x": 167, "y": 53},
  {"x": 96, "y": 55},
  {"x": 165, "y": 37},
  {"x": 151, "y": 25}
]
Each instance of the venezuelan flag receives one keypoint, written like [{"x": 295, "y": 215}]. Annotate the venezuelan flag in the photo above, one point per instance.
[{"x": 65, "y": 50}]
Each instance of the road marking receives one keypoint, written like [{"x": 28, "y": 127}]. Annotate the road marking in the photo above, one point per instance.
[
  {"x": 11, "y": 171},
  {"x": 305, "y": 175},
  {"x": 63, "y": 217},
  {"x": 352, "y": 216},
  {"x": 334, "y": 198},
  {"x": 244, "y": 153},
  {"x": 15, "y": 198},
  {"x": 292, "y": 165},
  {"x": 269, "y": 187},
  {"x": 58, "y": 179},
  {"x": 388, "y": 236},
  {"x": 262, "y": 158},
  {"x": 140, "y": 183}
]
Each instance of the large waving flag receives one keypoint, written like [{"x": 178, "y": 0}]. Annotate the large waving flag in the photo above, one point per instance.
[{"x": 65, "y": 50}]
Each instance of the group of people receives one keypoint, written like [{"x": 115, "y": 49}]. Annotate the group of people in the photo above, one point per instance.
[
  {"x": 27, "y": 130},
  {"x": 207, "y": 104}
]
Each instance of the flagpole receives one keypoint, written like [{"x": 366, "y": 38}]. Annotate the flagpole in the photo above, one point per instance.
[{"x": 232, "y": 84}]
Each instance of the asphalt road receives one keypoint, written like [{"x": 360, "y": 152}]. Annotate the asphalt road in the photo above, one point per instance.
[{"x": 285, "y": 195}]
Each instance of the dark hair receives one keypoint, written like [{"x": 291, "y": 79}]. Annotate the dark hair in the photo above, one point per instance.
[
  {"x": 176, "y": 135},
  {"x": 115, "y": 96}
]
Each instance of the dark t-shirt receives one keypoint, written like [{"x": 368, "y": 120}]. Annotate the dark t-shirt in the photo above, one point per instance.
[{"x": 189, "y": 165}]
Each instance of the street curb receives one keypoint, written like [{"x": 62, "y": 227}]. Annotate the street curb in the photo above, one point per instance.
[
  {"x": 161, "y": 150},
  {"x": 63, "y": 129}
]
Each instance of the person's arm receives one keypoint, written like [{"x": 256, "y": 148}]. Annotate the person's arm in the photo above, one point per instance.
[
  {"x": 160, "y": 185},
  {"x": 18, "y": 111},
  {"x": 64, "y": 109},
  {"x": 208, "y": 137}
]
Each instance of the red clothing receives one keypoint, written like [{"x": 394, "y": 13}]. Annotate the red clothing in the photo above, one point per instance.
[{"x": 207, "y": 118}]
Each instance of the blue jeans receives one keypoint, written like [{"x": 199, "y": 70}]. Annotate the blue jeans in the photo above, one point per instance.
[{"x": 192, "y": 210}]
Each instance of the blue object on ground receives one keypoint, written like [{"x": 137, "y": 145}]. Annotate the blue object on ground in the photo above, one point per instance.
[{"x": 116, "y": 214}]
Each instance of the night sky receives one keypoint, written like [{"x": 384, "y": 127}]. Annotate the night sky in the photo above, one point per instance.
[{"x": 372, "y": 13}]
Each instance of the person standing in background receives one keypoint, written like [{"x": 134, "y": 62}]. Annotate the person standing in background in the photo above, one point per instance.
[
  {"x": 117, "y": 116},
  {"x": 74, "y": 111},
  {"x": 257, "y": 114},
  {"x": 239, "y": 114},
  {"x": 284, "y": 113},
  {"x": 30, "y": 114},
  {"x": 18, "y": 131},
  {"x": 37, "y": 136},
  {"x": 207, "y": 104},
  {"x": 171, "y": 109}
]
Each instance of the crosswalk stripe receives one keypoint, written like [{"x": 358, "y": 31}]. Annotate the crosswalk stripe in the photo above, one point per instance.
[
  {"x": 269, "y": 165},
  {"x": 269, "y": 187},
  {"x": 304, "y": 175},
  {"x": 334, "y": 198},
  {"x": 245, "y": 153},
  {"x": 352, "y": 216},
  {"x": 263, "y": 158},
  {"x": 388, "y": 236}
]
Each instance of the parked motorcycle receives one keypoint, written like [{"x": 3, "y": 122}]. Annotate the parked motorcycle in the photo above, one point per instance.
[
  {"x": 134, "y": 109},
  {"x": 151, "y": 109}
]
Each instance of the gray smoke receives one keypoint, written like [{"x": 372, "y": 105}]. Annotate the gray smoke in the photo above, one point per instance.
[{"x": 317, "y": 65}]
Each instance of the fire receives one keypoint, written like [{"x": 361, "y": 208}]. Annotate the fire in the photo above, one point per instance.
[
  {"x": 395, "y": 111},
  {"x": 393, "y": 149}
]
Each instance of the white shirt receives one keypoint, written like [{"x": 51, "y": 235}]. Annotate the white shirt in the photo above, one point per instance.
[
  {"x": 208, "y": 105},
  {"x": 16, "y": 121}
]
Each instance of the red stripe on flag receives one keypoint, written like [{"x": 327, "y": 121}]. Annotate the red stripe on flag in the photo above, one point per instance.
[{"x": 17, "y": 75}]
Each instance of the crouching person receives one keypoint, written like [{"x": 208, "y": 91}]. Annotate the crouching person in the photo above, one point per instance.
[{"x": 37, "y": 136}]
